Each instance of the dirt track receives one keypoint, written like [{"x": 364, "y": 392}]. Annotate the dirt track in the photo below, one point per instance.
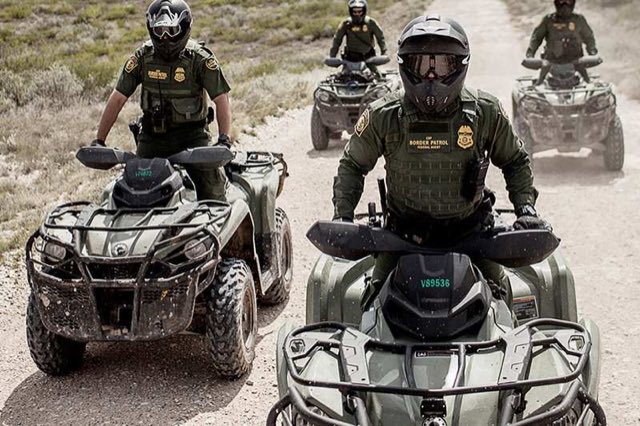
[{"x": 168, "y": 383}]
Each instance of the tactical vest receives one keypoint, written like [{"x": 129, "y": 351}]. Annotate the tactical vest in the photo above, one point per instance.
[
  {"x": 359, "y": 38},
  {"x": 170, "y": 90},
  {"x": 564, "y": 41},
  {"x": 427, "y": 163}
]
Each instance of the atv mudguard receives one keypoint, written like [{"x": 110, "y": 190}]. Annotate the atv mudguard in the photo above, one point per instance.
[{"x": 543, "y": 290}]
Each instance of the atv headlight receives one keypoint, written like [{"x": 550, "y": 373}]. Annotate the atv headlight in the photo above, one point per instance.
[
  {"x": 195, "y": 249},
  {"x": 323, "y": 96},
  {"x": 600, "y": 103},
  {"x": 54, "y": 252}
]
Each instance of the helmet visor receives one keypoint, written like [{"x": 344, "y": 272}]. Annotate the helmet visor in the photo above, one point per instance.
[
  {"x": 570, "y": 3},
  {"x": 166, "y": 31},
  {"x": 357, "y": 12},
  {"x": 431, "y": 67}
]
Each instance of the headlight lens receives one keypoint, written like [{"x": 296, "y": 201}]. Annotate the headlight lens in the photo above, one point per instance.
[
  {"x": 195, "y": 249},
  {"x": 54, "y": 251},
  {"x": 601, "y": 102},
  {"x": 323, "y": 96}
]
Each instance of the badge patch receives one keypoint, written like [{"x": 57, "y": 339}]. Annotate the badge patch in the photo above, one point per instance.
[
  {"x": 362, "y": 123},
  {"x": 158, "y": 75},
  {"x": 572, "y": 26},
  {"x": 465, "y": 137},
  {"x": 365, "y": 28},
  {"x": 131, "y": 64},
  {"x": 212, "y": 64},
  {"x": 180, "y": 77}
]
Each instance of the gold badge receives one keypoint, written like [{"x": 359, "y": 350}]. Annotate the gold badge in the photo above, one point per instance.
[
  {"x": 465, "y": 137},
  {"x": 572, "y": 26},
  {"x": 131, "y": 64},
  {"x": 365, "y": 28},
  {"x": 362, "y": 123},
  {"x": 212, "y": 64},
  {"x": 158, "y": 75},
  {"x": 180, "y": 77}
]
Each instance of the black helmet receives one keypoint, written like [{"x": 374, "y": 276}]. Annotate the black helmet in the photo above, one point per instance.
[
  {"x": 434, "y": 58},
  {"x": 169, "y": 24},
  {"x": 565, "y": 7},
  {"x": 358, "y": 10}
]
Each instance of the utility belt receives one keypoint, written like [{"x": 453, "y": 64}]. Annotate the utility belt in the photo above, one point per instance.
[
  {"x": 444, "y": 231},
  {"x": 358, "y": 57},
  {"x": 159, "y": 124}
]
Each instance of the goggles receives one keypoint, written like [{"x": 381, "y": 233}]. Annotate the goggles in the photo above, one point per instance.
[
  {"x": 167, "y": 23},
  {"x": 432, "y": 67},
  {"x": 566, "y": 2},
  {"x": 357, "y": 11}
]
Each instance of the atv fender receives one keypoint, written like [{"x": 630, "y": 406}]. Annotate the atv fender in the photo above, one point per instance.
[{"x": 237, "y": 239}]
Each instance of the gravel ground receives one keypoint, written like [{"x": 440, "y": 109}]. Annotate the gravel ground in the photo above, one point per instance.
[{"x": 168, "y": 382}]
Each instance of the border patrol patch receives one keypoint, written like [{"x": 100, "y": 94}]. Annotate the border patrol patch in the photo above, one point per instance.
[
  {"x": 362, "y": 123},
  {"x": 465, "y": 137},
  {"x": 131, "y": 64},
  {"x": 180, "y": 77},
  {"x": 212, "y": 63}
]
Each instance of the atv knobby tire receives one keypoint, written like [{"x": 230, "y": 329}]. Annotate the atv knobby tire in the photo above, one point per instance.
[
  {"x": 614, "y": 146},
  {"x": 53, "y": 354},
  {"x": 232, "y": 319},
  {"x": 279, "y": 290},
  {"x": 319, "y": 133}
]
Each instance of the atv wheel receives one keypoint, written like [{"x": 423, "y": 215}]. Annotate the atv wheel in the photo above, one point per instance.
[
  {"x": 524, "y": 133},
  {"x": 232, "y": 315},
  {"x": 53, "y": 354},
  {"x": 614, "y": 150},
  {"x": 319, "y": 133},
  {"x": 279, "y": 290}
]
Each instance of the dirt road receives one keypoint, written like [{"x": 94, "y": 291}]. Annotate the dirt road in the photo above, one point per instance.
[{"x": 593, "y": 211}]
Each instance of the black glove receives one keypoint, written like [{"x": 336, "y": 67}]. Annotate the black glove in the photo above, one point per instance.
[
  {"x": 224, "y": 140},
  {"x": 98, "y": 142},
  {"x": 528, "y": 219},
  {"x": 343, "y": 219},
  {"x": 530, "y": 55}
]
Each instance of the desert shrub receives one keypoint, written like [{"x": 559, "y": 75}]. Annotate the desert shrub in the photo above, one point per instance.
[{"x": 56, "y": 85}]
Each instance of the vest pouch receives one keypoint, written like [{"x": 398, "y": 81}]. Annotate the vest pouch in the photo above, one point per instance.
[{"x": 188, "y": 110}]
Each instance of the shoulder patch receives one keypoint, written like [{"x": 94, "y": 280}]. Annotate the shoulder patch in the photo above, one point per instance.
[
  {"x": 212, "y": 63},
  {"x": 363, "y": 122},
  {"x": 132, "y": 64}
]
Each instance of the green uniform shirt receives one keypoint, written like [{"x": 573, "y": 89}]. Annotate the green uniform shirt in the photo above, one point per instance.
[
  {"x": 436, "y": 162},
  {"x": 205, "y": 69},
  {"x": 360, "y": 37},
  {"x": 564, "y": 38}
]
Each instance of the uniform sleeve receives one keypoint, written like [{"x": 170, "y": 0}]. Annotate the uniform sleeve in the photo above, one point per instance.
[
  {"x": 211, "y": 76},
  {"x": 379, "y": 34},
  {"x": 359, "y": 158},
  {"x": 130, "y": 76},
  {"x": 507, "y": 152},
  {"x": 589, "y": 38},
  {"x": 538, "y": 36},
  {"x": 337, "y": 40}
]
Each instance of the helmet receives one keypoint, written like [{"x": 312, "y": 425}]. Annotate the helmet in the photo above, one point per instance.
[
  {"x": 434, "y": 59},
  {"x": 358, "y": 10},
  {"x": 565, "y": 7},
  {"x": 169, "y": 25}
]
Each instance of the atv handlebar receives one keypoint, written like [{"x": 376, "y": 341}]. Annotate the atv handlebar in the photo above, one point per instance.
[
  {"x": 105, "y": 158},
  {"x": 539, "y": 63}
]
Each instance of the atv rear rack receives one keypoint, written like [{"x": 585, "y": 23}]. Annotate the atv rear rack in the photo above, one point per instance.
[{"x": 570, "y": 339}]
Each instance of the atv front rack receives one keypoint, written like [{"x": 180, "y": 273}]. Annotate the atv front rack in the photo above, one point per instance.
[{"x": 352, "y": 347}]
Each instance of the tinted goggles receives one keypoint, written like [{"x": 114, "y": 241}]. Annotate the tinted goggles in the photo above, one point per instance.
[
  {"x": 566, "y": 2},
  {"x": 167, "y": 24},
  {"x": 357, "y": 12},
  {"x": 431, "y": 67},
  {"x": 168, "y": 31}
]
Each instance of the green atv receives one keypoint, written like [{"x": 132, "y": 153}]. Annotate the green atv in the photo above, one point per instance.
[
  {"x": 151, "y": 261},
  {"x": 439, "y": 346}
]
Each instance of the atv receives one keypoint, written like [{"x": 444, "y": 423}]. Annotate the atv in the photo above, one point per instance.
[
  {"x": 151, "y": 260},
  {"x": 439, "y": 345},
  {"x": 343, "y": 97},
  {"x": 568, "y": 109}
]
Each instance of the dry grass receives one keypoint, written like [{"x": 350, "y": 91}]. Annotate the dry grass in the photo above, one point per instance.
[
  {"x": 616, "y": 24},
  {"x": 50, "y": 101}
]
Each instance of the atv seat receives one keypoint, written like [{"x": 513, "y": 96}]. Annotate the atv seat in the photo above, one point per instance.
[{"x": 146, "y": 183}]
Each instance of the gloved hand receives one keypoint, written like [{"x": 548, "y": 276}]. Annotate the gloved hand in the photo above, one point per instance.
[
  {"x": 224, "y": 140},
  {"x": 530, "y": 55},
  {"x": 98, "y": 142},
  {"x": 528, "y": 219},
  {"x": 343, "y": 219}
]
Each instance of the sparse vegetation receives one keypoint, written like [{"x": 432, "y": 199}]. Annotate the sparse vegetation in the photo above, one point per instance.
[{"x": 59, "y": 60}]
